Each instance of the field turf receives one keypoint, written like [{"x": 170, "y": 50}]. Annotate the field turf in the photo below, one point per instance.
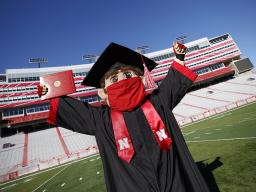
[{"x": 223, "y": 146}]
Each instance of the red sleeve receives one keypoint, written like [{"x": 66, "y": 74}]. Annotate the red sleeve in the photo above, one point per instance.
[
  {"x": 53, "y": 111},
  {"x": 175, "y": 85},
  {"x": 74, "y": 115},
  {"x": 184, "y": 71}
]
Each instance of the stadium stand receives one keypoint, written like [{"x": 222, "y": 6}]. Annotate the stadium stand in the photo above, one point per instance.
[
  {"x": 44, "y": 145},
  {"x": 216, "y": 98},
  {"x": 11, "y": 151},
  {"x": 76, "y": 141}
]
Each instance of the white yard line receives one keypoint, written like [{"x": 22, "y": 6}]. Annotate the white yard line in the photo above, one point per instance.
[
  {"x": 6, "y": 187},
  {"x": 231, "y": 139},
  {"x": 49, "y": 169},
  {"x": 185, "y": 134},
  {"x": 51, "y": 177},
  {"x": 253, "y": 113},
  {"x": 222, "y": 116}
]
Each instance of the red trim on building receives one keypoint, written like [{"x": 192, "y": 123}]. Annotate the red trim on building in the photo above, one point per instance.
[
  {"x": 221, "y": 100},
  {"x": 209, "y": 48},
  {"x": 64, "y": 146},
  {"x": 214, "y": 61},
  {"x": 53, "y": 111},
  {"x": 28, "y": 118},
  {"x": 194, "y": 106},
  {"x": 199, "y": 51},
  {"x": 184, "y": 70},
  {"x": 23, "y": 103},
  {"x": 25, "y": 151},
  {"x": 211, "y": 55},
  {"x": 83, "y": 94},
  {"x": 214, "y": 74}
]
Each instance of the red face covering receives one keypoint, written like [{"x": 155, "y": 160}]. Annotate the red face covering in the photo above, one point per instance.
[{"x": 126, "y": 94}]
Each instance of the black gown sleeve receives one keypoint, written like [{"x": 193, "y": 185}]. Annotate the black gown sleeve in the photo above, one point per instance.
[
  {"x": 174, "y": 87},
  {"x": 74, "y": 115}
]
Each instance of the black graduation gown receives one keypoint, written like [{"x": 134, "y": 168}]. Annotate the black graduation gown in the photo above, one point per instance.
[{"x": 151, "y": 169}]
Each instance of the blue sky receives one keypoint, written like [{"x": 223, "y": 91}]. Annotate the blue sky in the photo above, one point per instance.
[{"x": 64, "y": 30}]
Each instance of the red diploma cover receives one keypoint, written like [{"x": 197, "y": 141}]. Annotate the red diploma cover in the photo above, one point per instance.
[{"x": 58, "y": 84}]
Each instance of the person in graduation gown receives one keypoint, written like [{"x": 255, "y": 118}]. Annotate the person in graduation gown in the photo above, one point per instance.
[{"x": 139, "y": 140}]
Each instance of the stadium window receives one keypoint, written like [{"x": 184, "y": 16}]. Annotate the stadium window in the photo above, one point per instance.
[
  {"x": 171, "y": 55},
  {"x": 165, "y": 56},
  {"x": 157, "y": 58},
  {"x": 154, "y": 59}
]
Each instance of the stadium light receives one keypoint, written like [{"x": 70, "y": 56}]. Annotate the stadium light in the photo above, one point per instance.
[
  {"x": 181, "y": 39},
  {"x": 142, "y": 49},
  {"x": 89, "y": 58},
  {"x": 38, "y": 61}
]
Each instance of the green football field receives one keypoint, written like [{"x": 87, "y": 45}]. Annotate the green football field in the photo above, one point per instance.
[{"x": 223, "y": 146}]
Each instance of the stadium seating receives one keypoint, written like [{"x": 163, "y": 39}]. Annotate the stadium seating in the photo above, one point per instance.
[
  {"x": 13, "y": 154},
  {"x": 77, "y": 142},
  {"x": 217, "y": 96},
  {"x": 44, "y": 145}
]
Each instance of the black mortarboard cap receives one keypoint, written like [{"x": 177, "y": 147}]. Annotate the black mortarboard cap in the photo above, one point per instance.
[{"x": 112, "y": 54}]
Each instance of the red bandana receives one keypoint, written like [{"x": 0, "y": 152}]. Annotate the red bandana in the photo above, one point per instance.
[
  {"x": 131, "y": 95},
  {"x": 126, "y": 94}
]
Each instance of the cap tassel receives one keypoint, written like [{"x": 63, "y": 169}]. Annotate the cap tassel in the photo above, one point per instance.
[{"x": 149, "y": 81}]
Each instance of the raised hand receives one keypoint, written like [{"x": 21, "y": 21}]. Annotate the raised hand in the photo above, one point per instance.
[
  {"x": 180, "y": 50},
  {"x": 42, "y": 90}
]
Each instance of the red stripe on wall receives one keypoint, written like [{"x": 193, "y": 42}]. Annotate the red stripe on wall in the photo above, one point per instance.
[
  {"x": 235, "y": 92},
  {"x": 194, "y": 106},
  {"x": 179, "y": 115},
  {"x": 209, "y": 98},
  {"x": 252, "y": 85},
  {"x": 25, "y": 151},
  {"x": 64, "y": 146}
]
